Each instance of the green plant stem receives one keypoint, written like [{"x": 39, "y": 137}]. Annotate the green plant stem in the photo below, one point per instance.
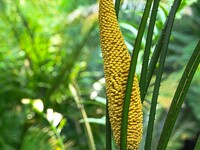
[
  {"x": 123, "y": 140},
  {"x": 108, "y": 130},
  {"x": 158, "y": 48},
  {"x": 143, "y": 79},
  {"x": 197, "y": 145},
  {"x": 154, "y": 101},
  {"x": 77, "y": 97},
  {"x": 60, "y": 140},
  {"x": 179, "y": 97},
  {"x": 159, "y": 76},
  {"x": 54, "y": 129},
  {"x": 117, "y": 7},
  {"x": 154, "y": 60}
]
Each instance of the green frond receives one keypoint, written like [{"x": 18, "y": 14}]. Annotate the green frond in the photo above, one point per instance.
[
  {"x": 40, "y": 139},
  {"x": 11, "y": 130}
]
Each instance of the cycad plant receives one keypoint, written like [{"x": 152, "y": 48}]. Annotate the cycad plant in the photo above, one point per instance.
[{"x": 124, "y": 111}]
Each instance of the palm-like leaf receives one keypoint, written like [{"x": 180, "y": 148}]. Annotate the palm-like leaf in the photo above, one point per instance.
[{"x": 40, "y": 139}]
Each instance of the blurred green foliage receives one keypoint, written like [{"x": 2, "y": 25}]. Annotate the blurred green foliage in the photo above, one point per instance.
[{"x": 48, "y": 46}]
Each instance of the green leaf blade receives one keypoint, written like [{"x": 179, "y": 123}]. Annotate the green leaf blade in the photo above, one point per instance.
[
  {"x": 179, "y": 97},
  {"x": 123, "y": 140},
  {"x": 169, "y": 26}
]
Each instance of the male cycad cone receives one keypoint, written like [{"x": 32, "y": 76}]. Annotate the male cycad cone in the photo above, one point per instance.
[{"x": 116, "y": 67}]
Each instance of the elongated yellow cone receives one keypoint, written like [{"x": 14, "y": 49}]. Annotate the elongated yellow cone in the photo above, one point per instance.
[{"x": 116, "y": 67}]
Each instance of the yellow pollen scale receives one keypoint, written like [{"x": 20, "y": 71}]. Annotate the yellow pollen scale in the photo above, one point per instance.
[{"x": 116, "y": 67}]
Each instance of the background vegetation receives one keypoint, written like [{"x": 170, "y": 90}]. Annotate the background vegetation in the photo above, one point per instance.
[{"x": 52, "y": 93}]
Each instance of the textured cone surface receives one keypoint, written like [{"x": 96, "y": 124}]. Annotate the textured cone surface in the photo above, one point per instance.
[{"x": 116, "y": 67}]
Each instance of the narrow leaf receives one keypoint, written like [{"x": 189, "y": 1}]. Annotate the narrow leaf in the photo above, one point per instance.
[
  {"x": 197, "y": 145},
  {"x": 117, "y": 7},
  {"x": 123, "y": 139},
  {"x": 159, "y": 76},
  {"x": 147, "y": 49},
  {"x": 179, "y": 97},
  {"x": 108, "y": 130}
]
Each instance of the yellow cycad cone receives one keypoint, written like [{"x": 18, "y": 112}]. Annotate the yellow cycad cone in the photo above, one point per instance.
[{"x": 116, "y": 67}]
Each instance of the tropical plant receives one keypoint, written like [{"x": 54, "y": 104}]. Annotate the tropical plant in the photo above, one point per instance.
[
  {"x": 52, "y": 93},
  {"x": 158, "y": 56}
]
